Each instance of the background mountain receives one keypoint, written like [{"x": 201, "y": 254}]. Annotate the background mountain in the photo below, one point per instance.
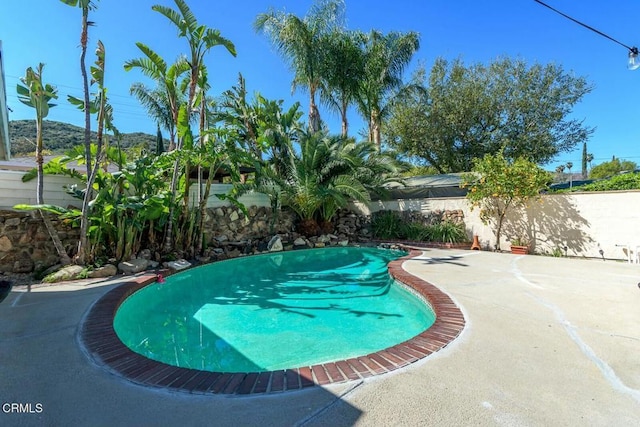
[{"x": 59, "y": 137}]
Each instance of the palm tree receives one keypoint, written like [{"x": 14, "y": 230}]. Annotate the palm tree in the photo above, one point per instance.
[
  {"x": 300, "y": 42},
  {"x": 560, "y": 172},
  {"x": 343, "y": 70},
  {"x": 159, "y": 106},
  {"x": 38, "y": 95},
  {"x": 322, "y": 175},
  {"x": 163, "y": 102},
  {"x": 386, "y": 57}
]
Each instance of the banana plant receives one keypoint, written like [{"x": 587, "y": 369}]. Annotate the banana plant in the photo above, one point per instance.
[
  {"x": 200, "y": 39},
  {"x": 38, "y": 95}
]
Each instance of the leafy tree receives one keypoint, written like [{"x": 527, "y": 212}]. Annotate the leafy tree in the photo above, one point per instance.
[
  {"x": 86, "y": 6},
  {"x": 469, "y": 111},
  {"x": 38, "y": 95},
  {"x": 385, "y": 58},
  {"x": 498, "y": 185},
  {"x": 611, "y": 168},
  {"x": 301, "y": 42}
]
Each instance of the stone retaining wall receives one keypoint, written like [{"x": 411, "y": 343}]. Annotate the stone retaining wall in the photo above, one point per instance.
[{"x": 25, "y": 245}]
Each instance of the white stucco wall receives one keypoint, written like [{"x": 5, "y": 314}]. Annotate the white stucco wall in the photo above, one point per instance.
[{"x": 583, "y": 222}]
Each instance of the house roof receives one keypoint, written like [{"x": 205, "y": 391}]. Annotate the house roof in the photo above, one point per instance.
[{"x": 427, "y": 186}]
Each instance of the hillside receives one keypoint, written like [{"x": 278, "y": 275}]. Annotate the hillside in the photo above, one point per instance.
[{"x": 59, "y": 137}]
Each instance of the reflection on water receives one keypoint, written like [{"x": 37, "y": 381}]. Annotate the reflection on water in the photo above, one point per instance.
[{"x": 273, "y": 311}]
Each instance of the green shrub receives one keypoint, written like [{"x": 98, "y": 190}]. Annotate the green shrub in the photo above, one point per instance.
[
  {"x": 448, "y": 232},
  {"x": 387, "y": 225},
  {"x": 415, "y": 231},
  {"x": 626, "y": 181},
  {"x": 392, "y": 225}
]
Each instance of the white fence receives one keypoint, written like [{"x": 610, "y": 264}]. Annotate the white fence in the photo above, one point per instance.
[
  {"x": 583, "y": 223},
  {"x": 250, "y": 199},
  {"x": 13, "y": 192}
]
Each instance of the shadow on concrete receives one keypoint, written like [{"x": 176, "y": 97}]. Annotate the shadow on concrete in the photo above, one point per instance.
[
  {"x": 451, "y": 260},
  {"x": 43, "y": 362}
]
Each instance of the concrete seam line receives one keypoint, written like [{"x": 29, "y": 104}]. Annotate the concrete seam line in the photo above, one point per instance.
[
  {"x": 329, "y": 405},
  {"x": 607, "y": 371},
  {"x": 519, "y": 275}
]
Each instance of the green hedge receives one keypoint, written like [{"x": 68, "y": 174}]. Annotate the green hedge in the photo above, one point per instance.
[{"x": 391, "y": 225}]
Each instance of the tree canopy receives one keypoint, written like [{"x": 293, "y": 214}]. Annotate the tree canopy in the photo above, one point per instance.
[
  {"x": 499, "y": 185},
  {"x": 465, "y": 112},
  {"x": 611, "y": 168}
]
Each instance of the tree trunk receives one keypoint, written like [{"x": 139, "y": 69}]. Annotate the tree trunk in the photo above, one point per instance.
[
  {"x": 53, "y": 233},
  {"x": 499, "y": 232},
  {"x": 168, "y": 239},
  {"x": 57, "y": 243},
  {"x": 84, "y": 219},
  {"x": 374, "y": 129},
  {"x": 345, "y": 122},
  {"x": 314, "y": 114}
]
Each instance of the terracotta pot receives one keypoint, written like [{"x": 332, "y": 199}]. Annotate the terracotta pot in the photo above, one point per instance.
[{"x": 519, "y": 250}]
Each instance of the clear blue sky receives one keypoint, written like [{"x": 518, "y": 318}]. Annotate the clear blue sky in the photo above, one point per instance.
[{"x": 47, "y": 31}]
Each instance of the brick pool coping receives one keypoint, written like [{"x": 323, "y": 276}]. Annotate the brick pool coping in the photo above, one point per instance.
[{"x": 103, "y": 345}]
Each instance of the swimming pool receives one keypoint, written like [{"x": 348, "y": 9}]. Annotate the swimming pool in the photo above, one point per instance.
[{"x": 273, "y": 311}]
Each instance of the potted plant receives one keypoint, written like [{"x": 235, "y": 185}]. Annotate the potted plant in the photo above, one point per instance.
[{"x": 519, "y": 246}]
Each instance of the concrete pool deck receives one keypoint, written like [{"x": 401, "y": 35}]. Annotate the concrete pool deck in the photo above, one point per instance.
[{"x": 548, "y": 341}]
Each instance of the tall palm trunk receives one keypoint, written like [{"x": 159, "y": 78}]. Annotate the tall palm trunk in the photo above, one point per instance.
[
  {"x": 202, "y": 200},
  {"x": 168, "y": 238},
  {"x": 314, "y": 113},
  {"x": 84, "y": 219},
  {"x": 345, "y": 121},
  {"x": 375, "y": 134}
]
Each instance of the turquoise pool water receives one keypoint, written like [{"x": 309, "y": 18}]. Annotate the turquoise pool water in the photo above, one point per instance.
[{"x": 275, "y": 311}]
